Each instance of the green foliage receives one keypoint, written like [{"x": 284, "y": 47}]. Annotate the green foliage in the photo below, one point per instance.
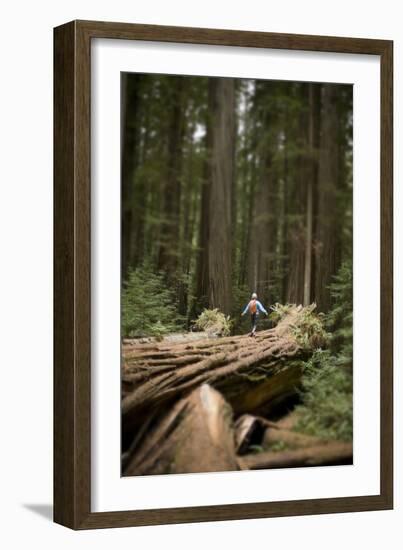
[
  {"x": 327, "y": 409},
  {"x": 340, "y": 318},
  {"x": 255, "y": 449},
  {"x": 310, "y": 332},
  {"x": 148, "y": 307},
  {"x": 279, "y": 311},
  {"x": 327, "y": 383},
  {"x": 278, "y": 447},
  {"x": 214, "y": 321}
]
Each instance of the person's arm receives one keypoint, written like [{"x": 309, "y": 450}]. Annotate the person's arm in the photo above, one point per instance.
[
  {"x": 261, "y": 308},
  {"x": 246, "y": 309}
]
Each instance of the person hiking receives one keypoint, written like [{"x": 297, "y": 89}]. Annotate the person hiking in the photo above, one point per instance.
[{"x": 254, "y": 306}]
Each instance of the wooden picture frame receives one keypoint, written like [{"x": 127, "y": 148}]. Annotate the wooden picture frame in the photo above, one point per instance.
[{"x": 72, "y": 269}]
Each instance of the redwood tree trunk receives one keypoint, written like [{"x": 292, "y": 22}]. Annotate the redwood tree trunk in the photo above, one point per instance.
[
  {"x": 260, "y": 235},
  {"x": 169, "y": 237},
  {"x": 261, "y": 242},
  {"x": 202, "y": 267},
  {"x": 297, "y": 209},
  {"x": 313, "y": 142},
  {"x": 132, "y": 192},
  {"x": 328, "y": 218},
  {"x": 222, "y": 98}
]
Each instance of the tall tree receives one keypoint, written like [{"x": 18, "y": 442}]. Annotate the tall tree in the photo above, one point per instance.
[
  {"x": 222, "y": 100},
  {"x": 313, "y": 143},
  {"x": 261, "y": 235},
  {"x": 132, "y": 195},
  {"x": 202, "y": 264},
  {"x": 169, "y": 235},
  {"x": 297, "y": 201},
  {"x": 328, "y": 226},
  {"x": 222, "y": 212}
]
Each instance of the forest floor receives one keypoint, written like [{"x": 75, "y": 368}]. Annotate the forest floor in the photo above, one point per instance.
[{"x": 175, "y": 337}]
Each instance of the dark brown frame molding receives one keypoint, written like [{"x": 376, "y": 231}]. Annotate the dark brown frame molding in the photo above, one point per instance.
[{"x": 72, "y": 291}]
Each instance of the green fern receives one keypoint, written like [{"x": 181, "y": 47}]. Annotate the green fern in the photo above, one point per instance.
[{"x": 327, "y": 382}]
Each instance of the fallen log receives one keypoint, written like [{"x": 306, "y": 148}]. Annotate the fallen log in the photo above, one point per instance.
[
  {"x": 329, "y": 454},
  {"x": 196, "y": 435},
  {"x": 253, "y": 374},
  {"x": 288, "y": 438},
  {"x": 129, "y": 344},
  {"x": 255, "y": 430}
]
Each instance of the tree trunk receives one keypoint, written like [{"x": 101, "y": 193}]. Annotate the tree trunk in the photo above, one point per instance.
[
  {"x": 186, "y": 222},
  {"x": 297, "y": 206},
  {"x": 328, "y": 218},
  {"x": 313, "y": 142},
  {"x": 260, "y": 236},
  {"x": 253, "y": 374},
  {"x": 202, "y": 264},
  {"x": 196, "y": 435},
  {"x": 169, "y": 237},
  {"x": 132, "y": 193},
  {"x": 222, "y": 98}
]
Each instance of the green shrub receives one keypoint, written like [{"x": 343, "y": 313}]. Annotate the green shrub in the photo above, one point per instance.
[
  {"x": 340, "y": 317},
  {"x": 327, "y": 396},
  {"x": 148, "y": 307},
  {"x": 213, "y": 321},
  {"x": 327, "y": 382},
  {"x": 310, "y": 332},
  {"x": 278, "y": 311}
]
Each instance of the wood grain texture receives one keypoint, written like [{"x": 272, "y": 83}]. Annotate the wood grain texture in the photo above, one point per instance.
[
  {"x": 64, "y": 381},
  {"x": 72, "y": 296},
  {"x": 220, "y": 37},
  {"x": 387, "y": 273}
]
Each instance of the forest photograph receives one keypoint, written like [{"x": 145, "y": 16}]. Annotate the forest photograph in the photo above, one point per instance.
[{"x": 236, "y": 270}]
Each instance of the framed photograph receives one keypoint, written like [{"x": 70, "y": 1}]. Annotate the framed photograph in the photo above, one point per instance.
[{"x": 222, "y": 274}]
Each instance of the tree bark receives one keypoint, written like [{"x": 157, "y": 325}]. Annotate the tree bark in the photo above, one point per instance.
[
  {"x": 327, "y": 241},
  {"x": 309, "y": 198},
  {"x": 196, "y": 435},
  {"x": 202, "y": 266},
  {"x": 222, "y": 99},
  {"x": 261, "y": 242},
  {"x": 132, "y": 192},
  {"x": 261, "y": 235},
  {"x": 169, "y": 237},
  {"x": 253, "y": 374},
  {"x": 297, "y": 205}
]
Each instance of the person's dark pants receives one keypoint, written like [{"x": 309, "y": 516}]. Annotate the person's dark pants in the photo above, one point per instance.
[{"x": 253, "y": 320}]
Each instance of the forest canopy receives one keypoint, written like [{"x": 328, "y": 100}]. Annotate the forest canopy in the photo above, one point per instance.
[{"x": 232, "y": 186}]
